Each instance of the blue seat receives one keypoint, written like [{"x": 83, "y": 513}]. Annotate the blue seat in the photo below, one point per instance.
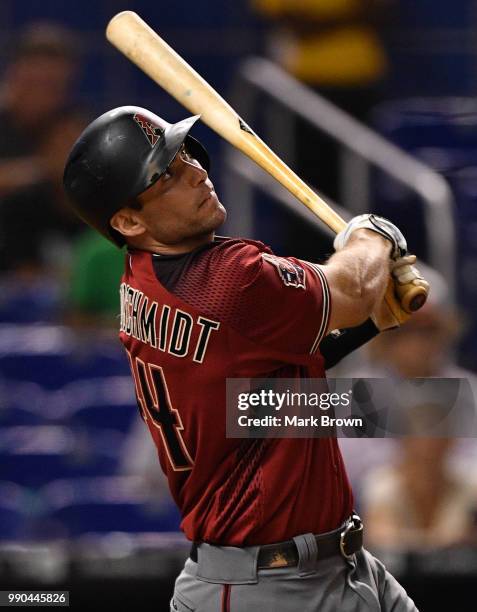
[
  {"x": 13, "y": 511},
  {"x": 12, "y": 416},
  {"x": 464, "y": 185},
  {"x": 442, "y": 132},
  {"x": 412, "y": 123},
  {"x": 21, "y": 404},
  {"x": 33, "y": 456},
  {"x": 102, "y": 505},
  {"x": 30, "y": 301},
  {"x": 108, "y": 402},
  {"x": 11, "y": 523},
  {"x": 108, "y": 416},
  {"x": 53, "y": 356}
]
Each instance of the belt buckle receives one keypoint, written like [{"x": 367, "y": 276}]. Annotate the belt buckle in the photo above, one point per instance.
[{"x": 354, "y": 518}]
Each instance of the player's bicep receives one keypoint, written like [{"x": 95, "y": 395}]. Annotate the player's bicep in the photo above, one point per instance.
[{"x": 290, "y": 301}]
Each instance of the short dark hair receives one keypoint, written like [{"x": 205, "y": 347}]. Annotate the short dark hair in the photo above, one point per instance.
[{"x": 134, "y": 203}]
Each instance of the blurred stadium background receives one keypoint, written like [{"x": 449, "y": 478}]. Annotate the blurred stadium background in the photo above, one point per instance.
[{"x": 82, "y": 503}]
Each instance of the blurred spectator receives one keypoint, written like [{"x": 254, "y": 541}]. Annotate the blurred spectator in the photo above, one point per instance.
[
  {"x": 423, "y": 347},
  {"x": 333, "y": 46},
  {"x": 419, "y": 480},
  {"x": 423, "y": 498},
  {"x": 96, "y": 270},
  {"x": 37, "y": 86},
  {"x": 36, "y": 224},
  {"x": 420, "y": 502},
  {"x": 140, "y": 459}
]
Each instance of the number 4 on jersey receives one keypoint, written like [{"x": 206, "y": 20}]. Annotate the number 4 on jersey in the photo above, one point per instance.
[{"x": 155, "y": 404}]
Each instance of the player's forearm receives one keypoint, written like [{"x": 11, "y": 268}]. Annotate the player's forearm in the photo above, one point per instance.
[
  {"x": 368, "y": 257},
  {"x": 359, "y": 273}
]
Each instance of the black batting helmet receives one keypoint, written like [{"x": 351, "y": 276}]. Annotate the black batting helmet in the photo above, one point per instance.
[{"x": 120, "y": 155}]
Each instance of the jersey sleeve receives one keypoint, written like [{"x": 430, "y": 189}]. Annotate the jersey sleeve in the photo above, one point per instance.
[
  {"x": 279, "y": 303},
  {"x": 285, "y": 305}
]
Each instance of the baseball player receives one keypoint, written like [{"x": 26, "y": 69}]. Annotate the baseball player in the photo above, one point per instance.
[{"x": 271, "y": 520}]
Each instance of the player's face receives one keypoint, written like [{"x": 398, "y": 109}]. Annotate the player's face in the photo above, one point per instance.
[{"x": 182, "y": 204}]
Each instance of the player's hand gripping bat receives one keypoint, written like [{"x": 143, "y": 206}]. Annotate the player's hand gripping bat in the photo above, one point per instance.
[{"x": 133, "y": 37}]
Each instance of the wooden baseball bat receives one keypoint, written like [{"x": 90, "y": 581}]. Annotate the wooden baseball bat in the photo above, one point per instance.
[{"x": 135, "y": 39}]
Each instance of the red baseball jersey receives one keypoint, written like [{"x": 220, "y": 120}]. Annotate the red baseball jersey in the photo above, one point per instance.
[{"x": 231, "y": 309}]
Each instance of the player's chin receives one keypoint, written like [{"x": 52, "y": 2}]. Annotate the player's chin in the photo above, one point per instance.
[
  {"x": 221, "y": 215},
  {"x": 214, "y": 212},
  {"x": 221, "y": 212}
]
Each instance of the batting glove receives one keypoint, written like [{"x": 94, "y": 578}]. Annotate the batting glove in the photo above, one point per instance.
[
  {"x": 390, "y": 313},
  {"x": 376, "y": 224}
]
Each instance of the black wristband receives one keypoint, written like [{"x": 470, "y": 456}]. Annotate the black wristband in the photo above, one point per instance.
[{"x": 334, "y": 347}]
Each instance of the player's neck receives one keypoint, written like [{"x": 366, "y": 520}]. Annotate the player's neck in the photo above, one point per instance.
[{"x": 185, "y": 246}]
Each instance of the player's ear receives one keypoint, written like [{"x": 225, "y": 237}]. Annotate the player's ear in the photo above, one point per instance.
[{"x": 127, "y": 222}]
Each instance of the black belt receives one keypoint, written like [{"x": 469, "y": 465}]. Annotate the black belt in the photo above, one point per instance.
[{"x": 345, "y": 541}]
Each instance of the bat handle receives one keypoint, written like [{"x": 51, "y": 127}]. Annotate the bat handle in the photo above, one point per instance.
[{"x": 411, "y": 297}]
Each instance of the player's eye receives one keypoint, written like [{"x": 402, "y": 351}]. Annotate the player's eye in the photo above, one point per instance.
[
  {"x": 182, "y": 154},
  {"x": 185, "y": 155}
]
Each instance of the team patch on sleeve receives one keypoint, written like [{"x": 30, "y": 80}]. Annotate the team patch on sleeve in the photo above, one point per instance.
[{"x": 291, "y": 274}]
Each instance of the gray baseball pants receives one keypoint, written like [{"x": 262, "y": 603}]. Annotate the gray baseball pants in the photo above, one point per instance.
[{"x": 225, "y": 579}]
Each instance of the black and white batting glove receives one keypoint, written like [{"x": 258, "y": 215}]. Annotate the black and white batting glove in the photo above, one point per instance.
[{"x": 376, "y": 224}]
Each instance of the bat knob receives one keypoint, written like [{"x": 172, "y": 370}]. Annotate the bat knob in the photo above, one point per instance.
[
  {"x": 412, "y": 298},
  {"x": 417, "y": 302}
]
